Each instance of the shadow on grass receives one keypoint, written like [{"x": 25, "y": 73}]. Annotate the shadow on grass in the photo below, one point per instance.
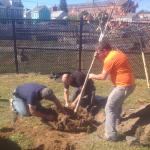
[
  {"x": 6, "y": 144},
  {"x": 140, "y": 122},
  {"x": 146, "y": 145},
  {"x": 40, "y": 147},
  {"x": 143, "y": 115},
  {"x": 5, "y": 130},
  {"x": 4, "y": 100}
]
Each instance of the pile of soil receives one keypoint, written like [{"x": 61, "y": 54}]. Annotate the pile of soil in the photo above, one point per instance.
[
  {"x": 82, "y": 121},
  {"x": 137, "y": 124}
]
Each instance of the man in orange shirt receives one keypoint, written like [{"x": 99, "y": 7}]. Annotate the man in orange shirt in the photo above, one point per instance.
[{"x": 115, "y": 64}]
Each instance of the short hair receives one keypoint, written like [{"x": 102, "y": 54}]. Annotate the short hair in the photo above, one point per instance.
[
  {"x": 104, "y": 44},
  {"x": 65, "y": 76},
  {"x": 47, "y": 94}
]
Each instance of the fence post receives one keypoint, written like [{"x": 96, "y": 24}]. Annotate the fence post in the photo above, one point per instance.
[
  {"x": 15, "y": 44},
  {"x": 80, "y": 43}
]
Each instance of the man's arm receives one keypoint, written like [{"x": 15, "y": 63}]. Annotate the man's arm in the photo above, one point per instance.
[
  {"x": 74, "y": 103},
  {"x": 102, "y": 76},
  {"x": 66, "y": 96},
  {"x": 34, "y": 112},
  {"x": 58, "y": 105}
]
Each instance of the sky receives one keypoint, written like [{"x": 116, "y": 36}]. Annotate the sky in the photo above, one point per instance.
[{"x": 143, "y": 4}]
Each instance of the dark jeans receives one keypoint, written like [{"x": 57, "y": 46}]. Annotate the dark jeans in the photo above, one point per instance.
[{"x": 87, "y": 98}]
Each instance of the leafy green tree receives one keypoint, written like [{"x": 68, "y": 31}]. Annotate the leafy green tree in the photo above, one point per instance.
[{"x": 63, "y": 6}]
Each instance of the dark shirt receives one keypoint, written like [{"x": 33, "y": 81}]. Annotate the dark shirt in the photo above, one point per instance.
[
  {"x": 30, "y": 92},
  {"x": 77, "y": 81}
]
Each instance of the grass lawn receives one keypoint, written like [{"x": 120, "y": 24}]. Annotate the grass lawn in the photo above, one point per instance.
[{"x": 30, "y": 133}]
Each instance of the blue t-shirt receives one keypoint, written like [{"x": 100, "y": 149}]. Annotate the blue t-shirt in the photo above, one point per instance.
[{"x": 30, "y": 92}]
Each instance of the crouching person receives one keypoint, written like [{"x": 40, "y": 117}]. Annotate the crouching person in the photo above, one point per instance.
[{"x": 27, "y": 97}]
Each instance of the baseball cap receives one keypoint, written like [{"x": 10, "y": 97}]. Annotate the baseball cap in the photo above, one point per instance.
[{"x": 48, "y": 94}]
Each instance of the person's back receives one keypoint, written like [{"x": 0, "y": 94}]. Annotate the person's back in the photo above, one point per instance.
[
  {"x": 26, "y": 101},
  {"x": 77, "y": 79},
  {"x": 29, "y": 92},
  {"x": 117, "y": 64}
]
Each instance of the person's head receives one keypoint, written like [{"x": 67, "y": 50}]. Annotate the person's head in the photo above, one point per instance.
[
  {"x": 103, "y": 49},
  {"x": 66, "y": 78},
  {"x": 48, "y": 94}
]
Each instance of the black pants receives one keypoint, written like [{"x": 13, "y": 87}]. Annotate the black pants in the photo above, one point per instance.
[{"x": 88, "y": 97}]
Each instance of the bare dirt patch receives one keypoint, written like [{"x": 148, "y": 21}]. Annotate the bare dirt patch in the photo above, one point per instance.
[
  {"x": 82, "y": 121},
  {"x": 137, "y": 124},
  {"x": 62, "y": 134}
]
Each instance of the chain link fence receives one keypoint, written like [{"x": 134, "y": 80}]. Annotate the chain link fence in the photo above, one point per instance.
[{"x": 67, "y": 45}]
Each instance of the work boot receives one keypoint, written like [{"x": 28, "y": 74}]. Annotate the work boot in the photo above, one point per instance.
[
  {"x": 114, "y": 139},
  {"x": 14, "y": 117}
]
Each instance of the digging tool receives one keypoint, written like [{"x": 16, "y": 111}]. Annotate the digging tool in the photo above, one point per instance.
[
  {"x": 85, "y": 82},
  {"x": 144, "y": 63}
]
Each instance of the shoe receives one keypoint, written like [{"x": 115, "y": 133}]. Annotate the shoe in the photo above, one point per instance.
[
  {"x": 118, "y": 121},
  {"x": 114, "y": 139},
  {"x": 13, "y": 111},
  {"x": 14, "y": 116}
]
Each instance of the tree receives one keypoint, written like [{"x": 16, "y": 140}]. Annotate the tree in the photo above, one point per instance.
[
  {"x": 83, "y": 14},
  {"x": 63, "y": 6}
]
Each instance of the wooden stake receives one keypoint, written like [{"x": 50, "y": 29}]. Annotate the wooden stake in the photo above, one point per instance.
[
  {"x": 144, "y": 63},
  {"x": 85, "y": 82}
]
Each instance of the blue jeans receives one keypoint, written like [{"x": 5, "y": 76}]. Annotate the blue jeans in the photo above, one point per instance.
[
  {"x": 19, "y": 106},
  {"x": 113, "y": 109}
]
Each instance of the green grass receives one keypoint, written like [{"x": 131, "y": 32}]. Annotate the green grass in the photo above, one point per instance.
[
  {"x": 21, "y": 140},
  {"x": 90, "y": 142},
  {"x": 46, "y": 61}
]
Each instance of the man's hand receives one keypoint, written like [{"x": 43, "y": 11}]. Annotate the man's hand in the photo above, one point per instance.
[
  {"x": 34, "y": 112},
  {"x": 96, "y": 53},
  {"x": 73, "y": 105},
  {"x": 91, "y": 76},
  {"x": 66, "y": 104}
]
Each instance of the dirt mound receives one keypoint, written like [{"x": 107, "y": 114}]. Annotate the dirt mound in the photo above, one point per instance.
[
  {"x": 137, "y": 124},
  {"x": 82, "y": 121},
  {"x": 63, "y": 134},
  {"x": 57, "y": 145}
]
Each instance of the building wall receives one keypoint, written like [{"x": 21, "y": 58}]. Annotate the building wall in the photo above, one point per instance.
[
  {"x": 35, "y": 15},
  {"x": 144, "y": 16},
  {"x": 11, "y": 11},
  {"x": 14, "y": 13},
  {"x": 44, "y": 14},
  {"x": 3, "y": 13}
]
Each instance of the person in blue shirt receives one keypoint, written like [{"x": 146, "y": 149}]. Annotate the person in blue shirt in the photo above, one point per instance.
[{"x": 27, "y": 97}]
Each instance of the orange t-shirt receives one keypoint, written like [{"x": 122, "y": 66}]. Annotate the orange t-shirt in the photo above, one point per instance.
[{"x": 117, "y": 65}]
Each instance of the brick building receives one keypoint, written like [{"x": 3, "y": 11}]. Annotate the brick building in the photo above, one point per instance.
[{"x": 121, "y": 8}]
